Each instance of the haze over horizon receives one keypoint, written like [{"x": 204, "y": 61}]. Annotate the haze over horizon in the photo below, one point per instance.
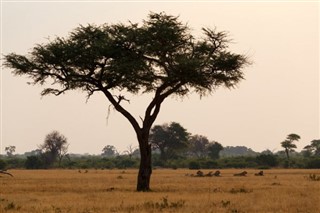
[{"x": 279, "y": 96}]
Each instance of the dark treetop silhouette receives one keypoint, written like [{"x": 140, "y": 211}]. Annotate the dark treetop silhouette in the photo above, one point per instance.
[{"x": 160, "y": 56}]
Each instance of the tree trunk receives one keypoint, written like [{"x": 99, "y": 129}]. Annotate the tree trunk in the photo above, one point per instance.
[
  {"x": 145, "y": 168},
  {"x": 162, "y": 155}
]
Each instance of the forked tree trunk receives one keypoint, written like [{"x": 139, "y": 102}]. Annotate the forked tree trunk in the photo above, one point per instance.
[{"x": 145, "y": 169}]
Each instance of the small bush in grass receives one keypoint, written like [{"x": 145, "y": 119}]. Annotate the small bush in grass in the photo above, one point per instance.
[
  {"x": 240, "y": 190},
  {"x": 164, "y": 204}
]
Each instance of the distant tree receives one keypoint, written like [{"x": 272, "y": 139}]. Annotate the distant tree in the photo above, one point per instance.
[
  {"x": 35, "y": 152},
  {"x": 169, "y": 139},
  {"x": 10, "y": 150},
  {"x": 55, "y": 147},
  {"x": 289, "y": 145},
  {"x": 266, "y": 152},
  {"x": 109, "y": 151},
  {"x": 313, "y": 148},
  {"x": 131, "y": 151},
  {"x": 198, "y": 146},
  {"x": 232, "y": 151},
  {"x": 214, "y": 149},
  {"x": 161, "y": 57},
  {"x": 307, "y": 151}
]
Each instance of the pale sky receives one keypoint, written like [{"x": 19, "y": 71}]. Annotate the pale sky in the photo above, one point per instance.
[{"x": 279, "y": 96}]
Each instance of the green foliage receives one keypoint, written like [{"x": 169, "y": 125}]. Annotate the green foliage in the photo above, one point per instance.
[
  {"x": 34, "y": 162},
  {"x": 124, "y": 161},
  {"x": 289, "y": 145},
  {"x": 208, "y": 164},
  {"x": 54, "y": 147},
  {"x": 169, "y": 139},
  {"x": 238, "y": 162},
  {"x": 194, "y": 165},
  {"x": 3, "y": 164},
  {"x": 313, "y": 163},
  {"x": 313, "y": 148},
  {"x": 198, "y": 146},
  {"x": 203, "y": 164},
  {"x": 267, "y": 160},
  {"x": 109, "y": 151},
  {"x": 214, "y": 149},
  {"x": 234, "y": 151},
  {"x": 10, "y": 150},
  {"x": 159, "y": 55},
  {"x": 14, "y": 163}
]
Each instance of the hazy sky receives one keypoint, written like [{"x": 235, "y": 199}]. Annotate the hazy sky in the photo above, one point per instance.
[{"x": 279, "y": 96}]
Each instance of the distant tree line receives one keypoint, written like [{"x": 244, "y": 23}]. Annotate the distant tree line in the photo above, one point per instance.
[{"x": 173, "y": 147}]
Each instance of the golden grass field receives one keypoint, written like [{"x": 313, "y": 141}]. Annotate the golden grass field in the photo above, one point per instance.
[{"x": 60, "y": 191}]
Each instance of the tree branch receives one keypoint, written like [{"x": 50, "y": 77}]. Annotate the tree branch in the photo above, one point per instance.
[{"x": 120, "y": 109}]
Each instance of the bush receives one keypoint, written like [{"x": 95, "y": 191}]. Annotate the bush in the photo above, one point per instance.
[
  {"x": 126, "y": 162},
  {"x": 208, "y": 164},
  {"x": 194, "y": 165},
  {"x": 313, "y": 163},
  {"x": 109, "y": 165},
  {"x": 3, "y": 164},
  {"x": 13, "y": 163},
  {"x": 34, "y": 162},
  {"x": 267, "y": 160}
]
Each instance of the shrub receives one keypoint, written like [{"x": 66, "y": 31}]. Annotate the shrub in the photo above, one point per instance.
[
  {"x": 125, "y": 162},
  {"x": 208, "y": 164},
  {"x": 194, "y": 165},
  {"x": 3, "y": 164},
  {"x": 34, "y": 162},
  {"x": 267, "y": 160},
  {"x": 313, "y": 163}
]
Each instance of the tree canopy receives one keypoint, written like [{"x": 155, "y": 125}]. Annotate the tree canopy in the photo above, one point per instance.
[
  {"x": 314, "y": 147},
  {"x": 159, "y": 56},
  {"x": 55, "y": 147},
  {"x": 289, "y": 145}
]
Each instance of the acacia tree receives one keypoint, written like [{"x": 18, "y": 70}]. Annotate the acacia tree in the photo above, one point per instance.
[
  {"x": 289, "y": 145},
  {"x": 10, "y": 150},
  {"x": 159, "y": 56},
  {"x": 314, "y": 147}
]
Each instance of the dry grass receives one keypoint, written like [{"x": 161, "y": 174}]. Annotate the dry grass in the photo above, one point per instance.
[{"x": 60, "y": 191}]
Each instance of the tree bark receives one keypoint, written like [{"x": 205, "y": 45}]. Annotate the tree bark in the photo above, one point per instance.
[
  {"x": 152, "y": 111},
  {"x": 145, "y": 169}
]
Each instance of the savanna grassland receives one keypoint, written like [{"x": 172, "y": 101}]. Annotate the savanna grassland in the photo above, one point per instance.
[{"x": 60, "y": 191}]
